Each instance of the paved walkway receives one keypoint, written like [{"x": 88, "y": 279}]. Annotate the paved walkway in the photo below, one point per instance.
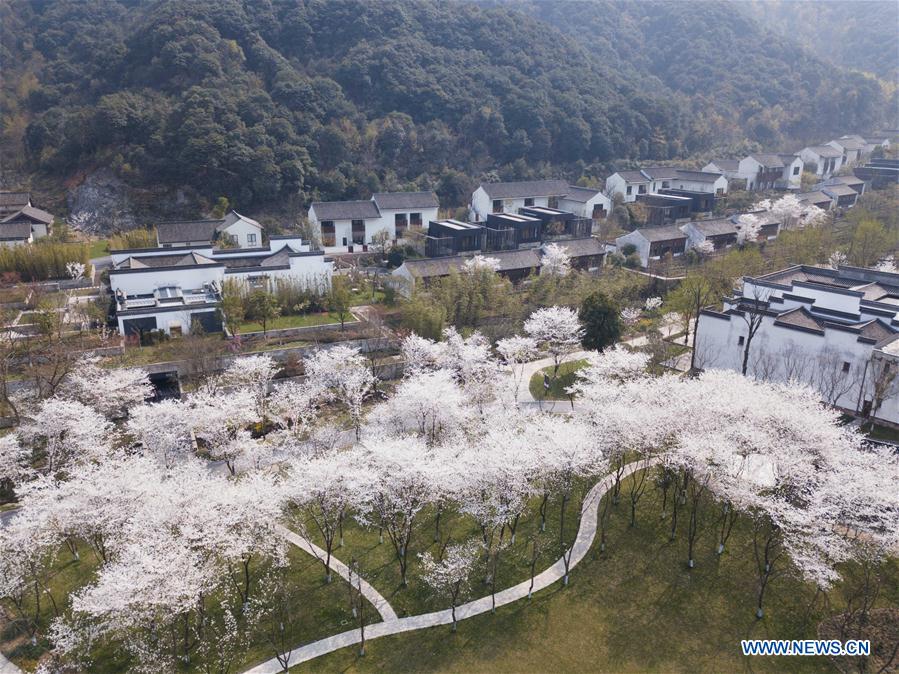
[
  {"x": 374, "y": 597},
  {"x": 6, "y": 667},
  {"x": 585, "y": 535}
]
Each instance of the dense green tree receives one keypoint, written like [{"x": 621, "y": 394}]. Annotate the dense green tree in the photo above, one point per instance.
[{"x": 600, "y": 318}]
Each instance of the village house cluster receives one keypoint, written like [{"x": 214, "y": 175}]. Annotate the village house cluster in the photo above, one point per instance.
[
  {"x": 177, "y": 285},
  {"x": 836, "y": 330}
]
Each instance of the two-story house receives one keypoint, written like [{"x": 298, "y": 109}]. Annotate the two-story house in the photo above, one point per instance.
[
  {"x": 353, "y": 225},
  {"x": 763, "y": 171},
  {"x": 234, "y": 229},
  {"x": 822, "y": 160},
  {"x": 666, "y": 180}
]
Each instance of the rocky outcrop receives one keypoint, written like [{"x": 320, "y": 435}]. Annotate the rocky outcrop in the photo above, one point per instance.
[{"x": 101, "y": 204}]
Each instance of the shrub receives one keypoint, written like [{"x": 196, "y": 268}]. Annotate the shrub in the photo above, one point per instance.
[{"x": 44, "y": 260}]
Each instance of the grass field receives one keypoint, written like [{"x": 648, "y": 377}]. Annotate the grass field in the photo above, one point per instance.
[
  {"x": 565, "y": 378},
  {"x": 99, "y": 248},
  {"x": 299, "y": 321},
  {"x": 634, "y": 608}
]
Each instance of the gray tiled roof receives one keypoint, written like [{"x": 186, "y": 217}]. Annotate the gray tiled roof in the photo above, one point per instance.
[
  {"x": 769, "y": 160},
  {"x": 15, "y": 231},
  {"x": 825, "y": 151},
  {"x": 582, "y": 247},
  {"x": 839, "y": 190},
  {"x": 404, "y": 200},
  {"x": 346, "y": 210},
  {"x": 530, "y": 188},
  {"x": 800, "y": 318},
  {"x": 669, "y": 233},
  {"x": 441, "y": 266},
  {"x": 634, "y": 176},
  {"x": 850, "y": 143},
  {"x": 28, "y": 214},
  {"x": 726, "y": 164},
  {"x": 156, "y": 261},
  {"x": 14, "y": 199},
  {"x": 581, "y": 194},
  {"x": 188, "y": 230},
  {"x": 715, "y": 227}
]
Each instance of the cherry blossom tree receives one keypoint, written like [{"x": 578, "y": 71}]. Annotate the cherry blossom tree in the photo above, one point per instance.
[
  {"x": 430, "y": 404},
  {"x": 255, "y": 373},
  {"x": 515, "y": 352},
  {"x": 556, "y": 330},
  {"x": 479, "y": 263},
  {"x": 109, "y": 391},
  {"x": 295, "y": 405},
  {"x": 218, "y": 419},
  {"x": 555, "y": 261},
  {"x": 318, "y": 495},
  {"x": 163, "y": 430},
  {"x": 396, "y": 483},
  {"x": 450, "y": 574},
  {"x": 63, "y": 433},
  {"x": 748, "y": 228},
  {"x": 343, "y": 373}
]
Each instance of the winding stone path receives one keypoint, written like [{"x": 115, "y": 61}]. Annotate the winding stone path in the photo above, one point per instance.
[
  {"x": 374, "y": 597},
  {"x": 6, "y": 667},
  {"x": 585, "y": 535}
]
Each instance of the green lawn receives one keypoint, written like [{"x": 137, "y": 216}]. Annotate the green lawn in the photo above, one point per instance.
[
  {"x": 99, "y": 248},
  {"x": 565, "y": 378},
  {"x": 634, "y": 608},
  {"x": 378, "y": 561},
  {"x": 299, "y": 321}
]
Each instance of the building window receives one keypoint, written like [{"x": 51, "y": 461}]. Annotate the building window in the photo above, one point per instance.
[
  {"x": 400, "y": 223},
  {"x": 630, "y": 190},
  {"x": 257, "y": 282},
  {"x": 529, "y": 201},
  {"x": 741, "y": 340},
  {"x": 553, "y": 202},
  {"x": 328, "y": 233},
  {"x": 233, "y": 239},
  {"x": 497, "y": 205},
  {"x": 359, "y": 231},
  {"x": 641, "y": 189},
  {"x": 795, "y": 170},
  {"x": 845, "y": 367},
  {"x": 665, "y": 184},
  {"x": 251, "y": 239},
  {"x": 415, "y": 219}
]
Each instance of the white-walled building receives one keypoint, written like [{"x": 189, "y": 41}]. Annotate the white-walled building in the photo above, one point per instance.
[
  {"x": 509, "y": 197},
  {"x": 172, "y": 289},
  {"x": 651, "y": 243},
  {"x": 236, "y": 229},
  {"x": 835, "y": 330},
  {"x": 852, "y": 147},
  {"x": 586, "y": 202},
  {"x": 351, "y": 225},
  {"x": 15, "y": 234},
  {"x": 656, "y": 180},
  {"x": 38, "y": 221},
  {"x": 402, "y": 211},
  {"x": 763, "y": 171},
  {"x": 729, "y": 168},
  {"x": 822, "y": 160}
]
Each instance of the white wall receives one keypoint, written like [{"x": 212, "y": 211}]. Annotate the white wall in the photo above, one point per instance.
[
  {"x": 585, "y": 209},
  {"x": 641, "y": 243},
  {"x": 242, "y": 229},
  {"x": 779, "y": 353},
  {"x": 388, "y": 221},
  {"x": 165, "y": 320},
  {"x": 810, "y": 157},
  {"x": 615, "y": 184},
  {"x": 145, "y": 282}
]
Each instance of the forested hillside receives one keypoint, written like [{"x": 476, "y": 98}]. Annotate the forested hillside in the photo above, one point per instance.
[
  {"x": 275, "y": 103},
  {"x": 850, "y": 33},
  {"x": 741, "y": 79}
]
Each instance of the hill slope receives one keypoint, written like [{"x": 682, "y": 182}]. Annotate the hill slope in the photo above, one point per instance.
[{"x": 275, "y": 103}]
